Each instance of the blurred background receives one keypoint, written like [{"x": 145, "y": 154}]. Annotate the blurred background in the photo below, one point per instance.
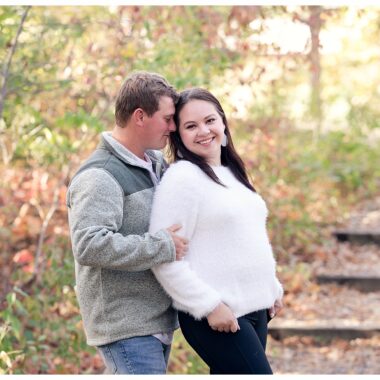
[{"x": 301, "y": 89}]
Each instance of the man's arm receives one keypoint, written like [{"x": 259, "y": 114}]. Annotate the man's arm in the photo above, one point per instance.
[{"x": 95, "y": 203}]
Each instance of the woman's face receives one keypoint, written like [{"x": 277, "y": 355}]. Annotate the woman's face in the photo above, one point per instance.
[{"x": 201, "y": 129}]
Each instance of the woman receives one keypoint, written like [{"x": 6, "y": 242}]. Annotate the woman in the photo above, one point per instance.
[{"x": 226, "y": 285}]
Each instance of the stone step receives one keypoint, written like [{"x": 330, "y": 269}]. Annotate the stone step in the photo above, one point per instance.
[
  {"x": 360, "y": 282},
  {"x": 328, "y": 329},
  {"x": 360, "y": 237}
]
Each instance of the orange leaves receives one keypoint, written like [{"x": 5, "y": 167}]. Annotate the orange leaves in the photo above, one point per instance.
[
  {"x": 33, "y": 186},
  {"x": 93, "y": 361},
  {"x": 296, "y": 283},
  {"x": 64, "y": 309},
  {"x": 23, "y": 257},
  {"x": 289, "y": 212},
  {"x": 62, "y": 197},
  {"x": 28, "y": 196},
  {"x": 26, "y": 226},
  {"x": 26, "y": 259}
]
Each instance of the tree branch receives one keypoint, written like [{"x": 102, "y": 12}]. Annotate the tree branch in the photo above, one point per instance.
[
  {"x": 38, "y": 265},
  {"x": 38, "y": 87},
  {"x": 7, "y": 63}
]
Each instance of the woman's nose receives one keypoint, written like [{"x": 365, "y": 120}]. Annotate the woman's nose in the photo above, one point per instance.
[{"x": 203, "y": 130}]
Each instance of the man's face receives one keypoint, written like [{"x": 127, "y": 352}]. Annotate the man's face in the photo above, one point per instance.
[{"x": 158, "y": 126}]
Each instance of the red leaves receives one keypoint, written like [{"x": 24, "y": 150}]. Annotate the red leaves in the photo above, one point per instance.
[
  {"x": 26, "y": 259},
  {"x": 23, "y": 257}
]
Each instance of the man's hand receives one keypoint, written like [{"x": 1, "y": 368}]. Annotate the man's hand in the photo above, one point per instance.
[
  {"x": 273, "y": 310},
  {"x": 222, "y": 319},
  {"x": 181, "y": 244}
]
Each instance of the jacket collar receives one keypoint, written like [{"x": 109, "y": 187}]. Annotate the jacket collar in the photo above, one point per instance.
[{"x": 127, "y": 156}]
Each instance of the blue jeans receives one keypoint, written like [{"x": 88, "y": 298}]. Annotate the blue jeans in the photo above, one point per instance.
[{"x": 137, "y": 355}]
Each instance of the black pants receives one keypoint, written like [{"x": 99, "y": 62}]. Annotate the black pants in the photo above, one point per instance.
[{"x": 242, "y": 352}]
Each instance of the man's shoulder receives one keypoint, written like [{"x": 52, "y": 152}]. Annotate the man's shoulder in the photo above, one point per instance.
[
  {"x": 93, "y": 182},
  {"x": 92, "y": 176},
  {"x": 97, "y": 159}
]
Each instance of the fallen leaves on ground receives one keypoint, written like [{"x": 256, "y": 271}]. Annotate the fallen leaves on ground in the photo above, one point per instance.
[{"x": 308, "y": 355}]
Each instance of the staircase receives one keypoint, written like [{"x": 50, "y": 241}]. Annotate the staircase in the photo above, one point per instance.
[{"x": 333, "y": 325}]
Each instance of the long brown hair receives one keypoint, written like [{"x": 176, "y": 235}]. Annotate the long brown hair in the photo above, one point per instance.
[{"x": 229, "y": 156}]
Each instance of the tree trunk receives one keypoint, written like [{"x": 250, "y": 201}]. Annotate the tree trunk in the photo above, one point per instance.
[{"x": 315, "y": 23}]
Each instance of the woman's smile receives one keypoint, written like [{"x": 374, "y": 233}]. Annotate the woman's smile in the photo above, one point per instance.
[{"x": 206, "y": 142}]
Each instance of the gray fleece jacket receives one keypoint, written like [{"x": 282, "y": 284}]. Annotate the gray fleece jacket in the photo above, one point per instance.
[{"x": 109, "y": 203}]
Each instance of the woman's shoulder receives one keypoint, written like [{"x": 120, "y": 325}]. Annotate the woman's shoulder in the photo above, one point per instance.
[
  {"x": 183, "y": 171},
  {"x": 181, "y": 179}
]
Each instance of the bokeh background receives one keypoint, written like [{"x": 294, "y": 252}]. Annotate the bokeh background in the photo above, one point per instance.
[{"x": 300, "y": 86}]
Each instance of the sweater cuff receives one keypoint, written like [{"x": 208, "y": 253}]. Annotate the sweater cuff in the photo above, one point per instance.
[
  {"x": 280, "y": 289},
  {"x": 166, "y": 238},
  {"x": 202, "y": 311}
]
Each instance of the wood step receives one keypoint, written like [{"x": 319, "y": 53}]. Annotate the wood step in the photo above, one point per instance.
[
  {"x": 313, "y": 356},
  {"x": 362, "y": 283},
  {"x": 360, "y": 237},
  {"x": 343, "y": 329}
]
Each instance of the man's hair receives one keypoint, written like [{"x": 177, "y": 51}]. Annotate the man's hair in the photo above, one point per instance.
[{"x": 143, "y": 90}]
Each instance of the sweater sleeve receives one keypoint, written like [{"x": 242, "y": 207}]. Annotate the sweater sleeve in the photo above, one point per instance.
[
  {"x": 280, "y": 289},
  {"x": 95, "y": 202},
  {"x": 176, "y": 201}
]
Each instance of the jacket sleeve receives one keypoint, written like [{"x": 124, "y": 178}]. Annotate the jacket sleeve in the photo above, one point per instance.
[
  {"x": 96, "y": 201},
  {"x": 176, "y": 201}
]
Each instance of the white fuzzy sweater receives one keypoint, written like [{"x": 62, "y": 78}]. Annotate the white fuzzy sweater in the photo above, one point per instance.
[{"x": 230, "y": 258}]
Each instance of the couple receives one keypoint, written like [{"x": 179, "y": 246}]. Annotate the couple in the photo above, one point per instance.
[{"x": 193, "y": 238}]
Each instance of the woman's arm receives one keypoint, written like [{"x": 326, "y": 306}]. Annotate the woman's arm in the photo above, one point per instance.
[
  {"x": 188, "y": 291},
  {"x": 176, "y": 201}
]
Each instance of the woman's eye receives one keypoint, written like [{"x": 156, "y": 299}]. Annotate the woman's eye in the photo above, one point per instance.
[
  {"x": 210, "y": 121},
  {"x": 191, "y": 126}
]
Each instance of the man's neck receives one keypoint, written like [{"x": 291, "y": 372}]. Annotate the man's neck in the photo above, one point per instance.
[{"x": 129, "y": 140}]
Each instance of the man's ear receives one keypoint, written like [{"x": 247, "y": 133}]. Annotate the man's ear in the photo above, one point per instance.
[{"x": 138, "y": 116}]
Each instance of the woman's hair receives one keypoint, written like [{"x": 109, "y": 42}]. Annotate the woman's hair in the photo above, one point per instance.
[{"x": 229, "y": 156}]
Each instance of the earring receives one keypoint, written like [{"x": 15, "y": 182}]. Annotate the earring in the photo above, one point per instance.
[
  {"x": 179, "y": 154},
  {"x": 224, "y": 140}
]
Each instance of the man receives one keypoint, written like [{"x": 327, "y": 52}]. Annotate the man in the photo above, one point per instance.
[{"x": 125, "y": 312}]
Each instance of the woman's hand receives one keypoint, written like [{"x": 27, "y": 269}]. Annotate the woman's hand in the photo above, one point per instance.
[
  {"x": 222, "y": 319},
  {"x": 278, "y": 305}
]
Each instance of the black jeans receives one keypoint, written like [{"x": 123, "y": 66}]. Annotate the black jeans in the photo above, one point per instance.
[{"x": 242, "y": 352}]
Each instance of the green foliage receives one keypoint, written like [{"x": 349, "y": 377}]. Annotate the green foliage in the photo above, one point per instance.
[
  {"x": 41, "y": 329},
  {"x": 183, "y": 44},
  {"x": 11, "y": 332},
  {"x": 365, "y": 117},
  {"x": 351, "y": 161},
  {"x": 183, "y": 359}
]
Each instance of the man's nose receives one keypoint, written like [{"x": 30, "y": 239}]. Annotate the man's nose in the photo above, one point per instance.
[{"x": 172, "y": 126}]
